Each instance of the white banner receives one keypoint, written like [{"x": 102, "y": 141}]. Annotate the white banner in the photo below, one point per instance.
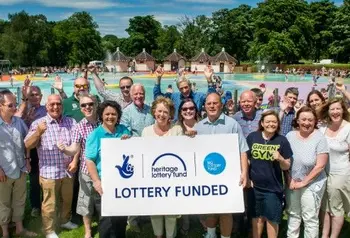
[{"x": 171, "y": 175}]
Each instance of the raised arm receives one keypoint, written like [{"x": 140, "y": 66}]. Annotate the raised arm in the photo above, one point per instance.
[
  {"x": 34, "y": 138},
  {"x": 71, "y": 150},
  {"x": 342, "y": 89},
  {"x": 157, "y": 90}
]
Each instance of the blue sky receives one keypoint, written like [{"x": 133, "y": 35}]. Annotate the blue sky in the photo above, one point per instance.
[{"x": 113, "y": 16}]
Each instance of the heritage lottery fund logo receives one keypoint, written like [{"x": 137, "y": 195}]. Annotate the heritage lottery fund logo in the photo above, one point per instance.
[{"x": 171, "y": 166}]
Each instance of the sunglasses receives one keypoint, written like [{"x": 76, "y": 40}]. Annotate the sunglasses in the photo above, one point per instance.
[
  {"x": 90, "y": 104},
  {"x": 125, "y": 87},
  {"x": 84, "y": 86},
  {"x": 58, "y": 104},
  {"x": 184, "y": 109}
]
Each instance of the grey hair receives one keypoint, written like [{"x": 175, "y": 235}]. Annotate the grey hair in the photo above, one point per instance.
[
  {"x": 137, "y": 85},
  {"x": 181, "y": 80},
  {"x": 3, "y": 93},
  {"x": 88, "y": 95}
]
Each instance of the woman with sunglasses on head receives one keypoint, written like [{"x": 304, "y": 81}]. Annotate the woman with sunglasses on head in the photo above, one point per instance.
[
  {"x": 163, "y": 111},
  {"x": 109, "y": 114},
  {"x": 336, "y": 201},
  {"x": 269, "y": 154},
  {"x": 85, "y": 205},
  {"x": 307, "y": 177}
]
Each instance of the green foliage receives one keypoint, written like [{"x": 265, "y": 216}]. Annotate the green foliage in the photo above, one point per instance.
[
  {"x": 275, "y": 31},
  {"x": 319, "y": 66}
]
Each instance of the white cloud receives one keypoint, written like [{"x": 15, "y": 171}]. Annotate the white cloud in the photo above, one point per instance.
[
  {"x": 78, "y": 4},
  {"x": 208, "y": 1}
]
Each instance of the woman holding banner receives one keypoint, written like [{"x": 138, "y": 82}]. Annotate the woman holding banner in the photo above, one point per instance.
[
  {"x": 163, "y": 111},
  {"x": 109, "y": 113},
  {"x": 269, "y": 154}
]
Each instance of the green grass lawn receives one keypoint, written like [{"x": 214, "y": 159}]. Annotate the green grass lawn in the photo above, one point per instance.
[{"x": 196, "y": 230}]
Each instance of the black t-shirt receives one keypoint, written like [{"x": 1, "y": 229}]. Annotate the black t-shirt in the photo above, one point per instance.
[{"x": 265, "y": 173}]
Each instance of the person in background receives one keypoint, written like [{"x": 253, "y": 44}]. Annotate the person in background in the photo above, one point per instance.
[
  {"x": 259, "y": 97},
  {"x": 248, "y": 117},
  {"x": 269, "y": 154},
  {"x": 315, "y": 100},
  {"x": 32, "y": 96},
  {"x": 85, "y": 203},
  {"x": 184, "y": 86},
  {"x": 137, "y": 115},
  {"x": 13, "y": 167},
  {"x": 125, "y": 83},
  {"x": 307, "y": 177},
  {"x": 55, "y": 168},
  {"x": 109, "y": 114},
  {"x": 287, "y": 111},
  {"x": 336, "y": 201},
  {"x": 163, "y": 111}
]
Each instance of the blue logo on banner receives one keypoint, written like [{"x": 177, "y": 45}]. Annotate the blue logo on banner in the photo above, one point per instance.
[
  {"x": 126, "y": 170},
  {"x": 161, "y": 171},
  {"x": 214, "y": 163}
]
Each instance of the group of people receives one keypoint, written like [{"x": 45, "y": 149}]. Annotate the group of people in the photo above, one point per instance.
[{"x": 291, "y": 158}]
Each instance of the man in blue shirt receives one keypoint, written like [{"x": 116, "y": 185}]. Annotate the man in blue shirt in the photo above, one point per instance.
[
  {"x": 137, "y": 115},
  {"x": 248, "y": 117},
  {"x": 184, "y": 86},
  {"x": 218, "y": 123},
  {"x": 287, "y": 111}
]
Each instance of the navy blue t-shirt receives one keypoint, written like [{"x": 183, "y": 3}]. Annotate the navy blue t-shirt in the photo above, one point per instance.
[{"x": 265, "y": 173}]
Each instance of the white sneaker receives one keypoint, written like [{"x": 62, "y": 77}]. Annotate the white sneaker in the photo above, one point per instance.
[
  {"x": 207, "y": 235},
  {"x": 69, "y": 226},
  {"x": 52, "y": 235}
]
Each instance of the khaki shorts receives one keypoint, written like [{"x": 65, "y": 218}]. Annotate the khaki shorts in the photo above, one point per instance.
[
  {"x": 336, "y": 199},
  {"x": 85, "y": 204}
]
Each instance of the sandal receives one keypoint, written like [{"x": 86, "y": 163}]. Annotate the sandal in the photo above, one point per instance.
[{"x": 26, "y": 233}]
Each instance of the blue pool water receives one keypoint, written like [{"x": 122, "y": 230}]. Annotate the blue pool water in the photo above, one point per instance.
[{"x": 231, "y": 82}]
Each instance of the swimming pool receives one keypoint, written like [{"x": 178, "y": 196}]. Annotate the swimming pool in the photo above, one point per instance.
[{"x": 231, "y": 82}]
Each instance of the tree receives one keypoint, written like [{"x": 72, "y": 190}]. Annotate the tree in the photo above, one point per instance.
[
  {"x": 233, "y": 29},
  {"x": 143, "y": 31},
  {"x": 110, "y": 43},
  {"x": 340, "y": 46},
  {"x": 291, "y": 19},
  {"x": 77, "y": 39},
  {"x": 323, "y": 14},
  {"x": 168, "y": 39}
]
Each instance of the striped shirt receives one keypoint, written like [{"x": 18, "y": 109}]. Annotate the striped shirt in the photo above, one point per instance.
[
  {"x": 52, "y": 162},
  {"x": 79, "y": 135},
  {"x": 248, "y": 125},
  {"x": 286, "y": 123}
]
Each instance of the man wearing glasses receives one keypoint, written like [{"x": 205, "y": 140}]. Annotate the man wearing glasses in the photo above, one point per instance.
[
  {"x": 55, "y": 168},
  {"x": 13, "y": 166},
  {"x": 71, "y": 106},
  {"x": 125, "y": 83}
]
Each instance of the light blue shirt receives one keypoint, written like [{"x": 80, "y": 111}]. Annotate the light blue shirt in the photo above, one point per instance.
[
  {"x": 135, "y": 119},
  {"x": 93, "y": 143},
  {"x": 223, "y": 125},
  {"x": 248, "y": 125},
  {"x": 12, "y": 149}
]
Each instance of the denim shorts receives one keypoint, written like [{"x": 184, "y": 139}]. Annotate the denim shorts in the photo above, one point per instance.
[{"x": 266, "y": 204}]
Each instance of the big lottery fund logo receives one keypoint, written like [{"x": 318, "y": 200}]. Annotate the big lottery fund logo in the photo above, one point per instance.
[
  {"x": 167, "y": 166},
  {"x": 126, "y": 170},
  {"x": 214, "y": 163}
]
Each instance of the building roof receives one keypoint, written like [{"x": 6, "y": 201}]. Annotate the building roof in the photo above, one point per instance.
[
  {"x": 201, "y": 57},
  {"x": 174, "y": 57},
  {"x": 144, "y": 56},
  {"x": 223, "y": 56},
  {"x": 119, "y": 56}
]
